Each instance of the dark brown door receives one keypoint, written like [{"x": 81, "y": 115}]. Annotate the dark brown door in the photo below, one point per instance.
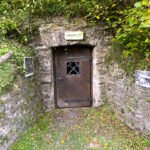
[{"x": 72, "y": 76}]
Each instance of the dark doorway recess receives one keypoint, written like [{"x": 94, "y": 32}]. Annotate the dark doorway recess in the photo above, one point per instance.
[{"x": 72, "y": 76}]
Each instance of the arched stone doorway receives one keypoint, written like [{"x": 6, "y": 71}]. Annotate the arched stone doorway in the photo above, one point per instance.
[{"x": 53, "y": 36}]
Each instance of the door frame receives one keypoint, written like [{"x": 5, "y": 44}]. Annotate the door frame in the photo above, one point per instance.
[
  {"x": 50, "y": 38},
  {"x": 91, "y": 73}
]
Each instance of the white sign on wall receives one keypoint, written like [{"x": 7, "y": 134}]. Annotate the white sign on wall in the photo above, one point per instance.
[
  {"x": 74, "y": 35},
  {"x": 29, "y": 66},
  {"x": 142, "y": 78}
]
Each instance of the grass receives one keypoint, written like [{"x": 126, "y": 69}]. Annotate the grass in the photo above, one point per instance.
[
  {"x": 13, "y": 67},
  {"x": 96, "y": 129}
]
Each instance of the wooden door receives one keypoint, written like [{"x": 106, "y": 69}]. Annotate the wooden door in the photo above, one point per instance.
[{"x": 72, "y": 76}]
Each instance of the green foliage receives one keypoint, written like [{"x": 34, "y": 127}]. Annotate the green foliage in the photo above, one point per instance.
[
  {"x": 13, "y": 66},
  {"x": 17, "y": 16},
  {"x": 2, "y": 114},
  {"x": 132, "y": 38},
  {"x": 133, "y": 33},
  {"x": 128, "y": 108},
  {"x": 6, "y": 76},
  {"x": 127, "y": 21}
]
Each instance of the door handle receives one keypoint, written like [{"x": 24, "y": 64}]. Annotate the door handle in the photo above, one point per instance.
[{"x": 59, "y": 78}]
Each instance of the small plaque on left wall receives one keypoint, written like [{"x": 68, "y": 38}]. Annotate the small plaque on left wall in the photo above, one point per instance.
[{"x": 29, "y": 66}]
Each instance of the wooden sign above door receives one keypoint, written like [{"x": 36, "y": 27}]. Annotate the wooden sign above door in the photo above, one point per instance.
[{"x": 74, "y": 35}]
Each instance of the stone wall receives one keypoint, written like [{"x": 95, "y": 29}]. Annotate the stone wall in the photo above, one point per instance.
[
  {"x": 18, "y": 110},
  {"x": 131, "y": 102},
  {"x": 46, "y": 79},
  {"x": 52, "y": 36}
]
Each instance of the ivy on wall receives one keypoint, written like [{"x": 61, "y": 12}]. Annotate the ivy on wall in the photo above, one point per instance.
[
  {"x": 131, "y": 42},
  {"x": 13, "y": 66},
  {"x": 17, "y": 16}
]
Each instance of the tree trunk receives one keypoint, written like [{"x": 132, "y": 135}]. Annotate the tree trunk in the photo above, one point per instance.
[{"x": 5, "y": 57}]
